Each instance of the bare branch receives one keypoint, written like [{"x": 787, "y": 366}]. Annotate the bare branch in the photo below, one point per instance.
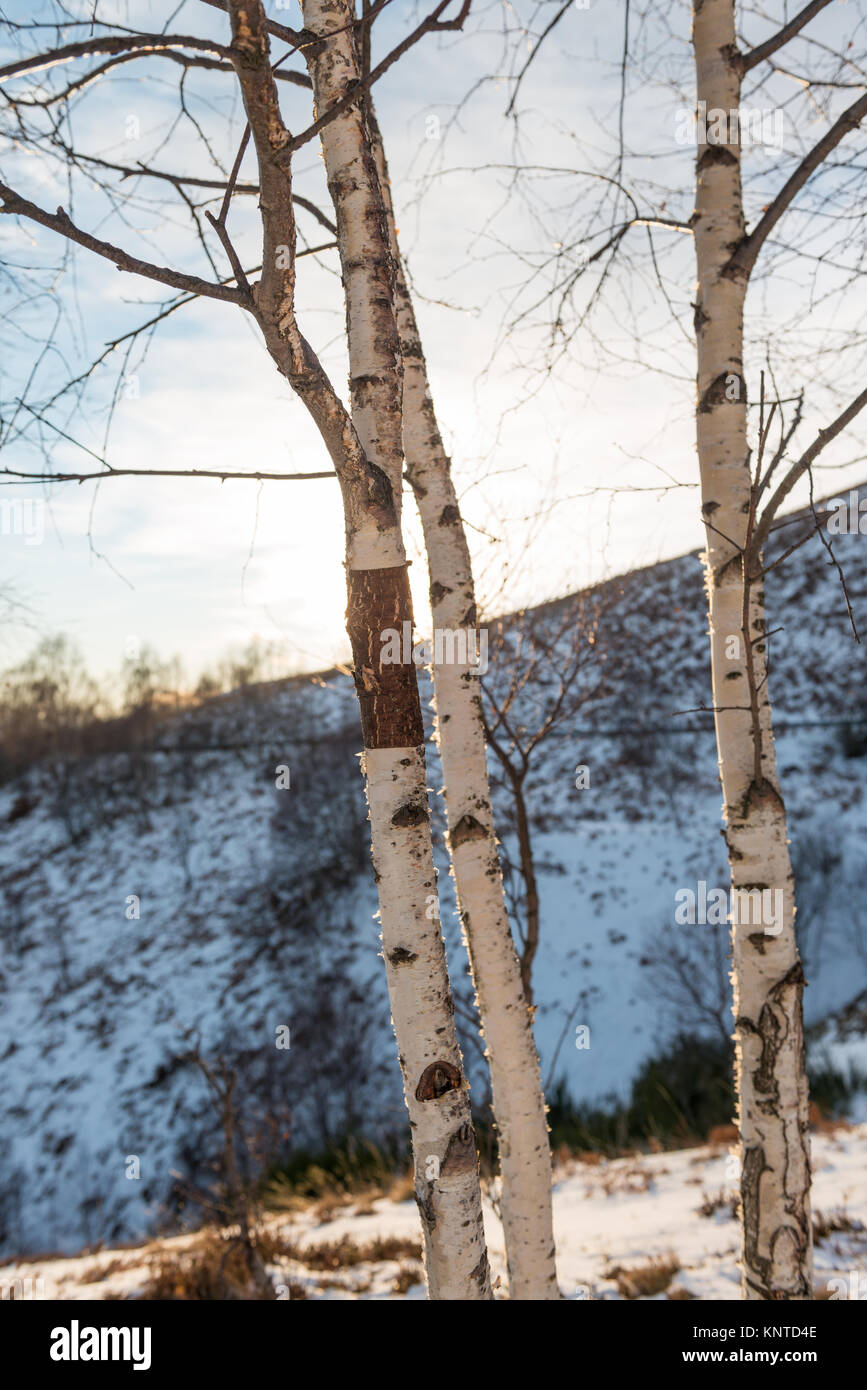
[
  {"x": 567, "y": 5},
  {"x": 110, "y": 472},
  {"x": 110, "y": 43},
  {"x": 219, "y": 185},
  {"x": 300, "y": 79},
  {"x": 823, "y": 438},
  {"x": 764, "y": 50},
  {"x": 219, "y": 227},
  {"x": 233, "y": 176},
  {"x": 60, "y": 222},
  {"x": 745, "y": 256}
]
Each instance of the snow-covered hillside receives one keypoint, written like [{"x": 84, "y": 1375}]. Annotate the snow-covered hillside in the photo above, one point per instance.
[{"x": 178, "y": 897}]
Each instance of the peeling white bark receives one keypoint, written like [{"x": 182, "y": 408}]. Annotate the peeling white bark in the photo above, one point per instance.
[
  {"x": 437, "y": 1096},
  {"x": 436, "y": 1091},
  {"x": 375, "y": 374},
  {"x": 518, "y": 1101},
  {"x": 767, "y": 977}
]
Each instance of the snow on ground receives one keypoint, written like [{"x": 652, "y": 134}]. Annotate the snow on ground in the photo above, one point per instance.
[{"x": 610, "y": 1218}]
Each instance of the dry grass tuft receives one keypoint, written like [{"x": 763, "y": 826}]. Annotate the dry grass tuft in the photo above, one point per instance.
[
  {"x": 644, "y": 1281},
  {"x": 710, "y": 1205},
  {"x": 630, "y": 1177},
  {"x": 338, "y": 1254},
  {"x": 406, "y": 1278},
  {"x": 213, "y": 1269},
  {"x": 833, "y": 1224},
  {"x": 97, "y": 1273}
]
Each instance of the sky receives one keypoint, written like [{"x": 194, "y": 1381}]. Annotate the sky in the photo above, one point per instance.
[{"x": 565, "y": 477}]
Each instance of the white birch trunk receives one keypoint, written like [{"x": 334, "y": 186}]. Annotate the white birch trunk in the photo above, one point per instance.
[
  {"x": 446, "y": 1162},
  {"x": 767, "y": 976},
  {"x": 436, "y": 1091},
  {"x": 518, "y": 1101}
]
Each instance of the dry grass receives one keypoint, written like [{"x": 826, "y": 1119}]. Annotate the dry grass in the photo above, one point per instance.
[
  {"x": 833, "y": 1224},
  {"x": 350, "y": 1286},
  {"x": 97, "y": 1273},
  {"x": 644, "y": 1281},
  {"x": 722, "y": 1134},
  {"x": 406, "y": 1278},
  {"x": 296, "y": 1291},
  {"x": 631, "y": 1177},
  {"x": 710, "y": 1205},
  {"x": 338, "y": 1254},
  {"x": 212, "y": 1269},
  {"x": 823, "y": 1123},
  {"x": 329, "y": 1190}
]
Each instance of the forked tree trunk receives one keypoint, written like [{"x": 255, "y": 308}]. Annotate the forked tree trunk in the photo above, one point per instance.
[
  {"x": 767, "y": 975},
  {"x": 436, "y": 1091},
  {"x": 379, "y": 590},
  {"x": 516, "y": 1085}
]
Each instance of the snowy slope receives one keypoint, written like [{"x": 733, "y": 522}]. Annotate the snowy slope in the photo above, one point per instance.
[{"x": 256, "y": 905}]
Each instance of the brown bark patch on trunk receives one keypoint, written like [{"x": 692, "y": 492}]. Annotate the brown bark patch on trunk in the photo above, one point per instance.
[
  {"x": 480, "y": 1273},
  {"x": 715, "y": 154},
  {"x": 716, "y": 393},
  {"x": 754, "y": 1166},
  {"x": 757, "y": 798},
  {"x": 467, "y": 828},
  {"x": 379, "y": 602},
  {"x": 401, "y": 956},
  {"x": 426, "y": 1207},
  {"x": 460, "y": 1155},
  {"x": 437, "y": 1080}
]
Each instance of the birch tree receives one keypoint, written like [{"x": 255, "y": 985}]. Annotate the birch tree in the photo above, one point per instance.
[
  {"x": 767, "y": 978},
  {"x": 379, "y": 600},
  {"x": 744, "y": 481},
  {"x": 516, "y": 1084},
  {"x": 365, "y": 448},
  {"x": 767, "y": 975}
]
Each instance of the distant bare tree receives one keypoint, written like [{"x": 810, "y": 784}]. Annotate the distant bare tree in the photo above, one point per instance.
[
  {"x": 236, "y": 1202},
  {"x": 546, "y": 666}
]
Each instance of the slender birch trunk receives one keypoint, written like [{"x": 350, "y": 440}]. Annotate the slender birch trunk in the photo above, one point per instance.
[
  {"x": 436, "y": 1091},
  {"x": 767, "y": 976},
  {"x": 518, "y": 1101}
]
